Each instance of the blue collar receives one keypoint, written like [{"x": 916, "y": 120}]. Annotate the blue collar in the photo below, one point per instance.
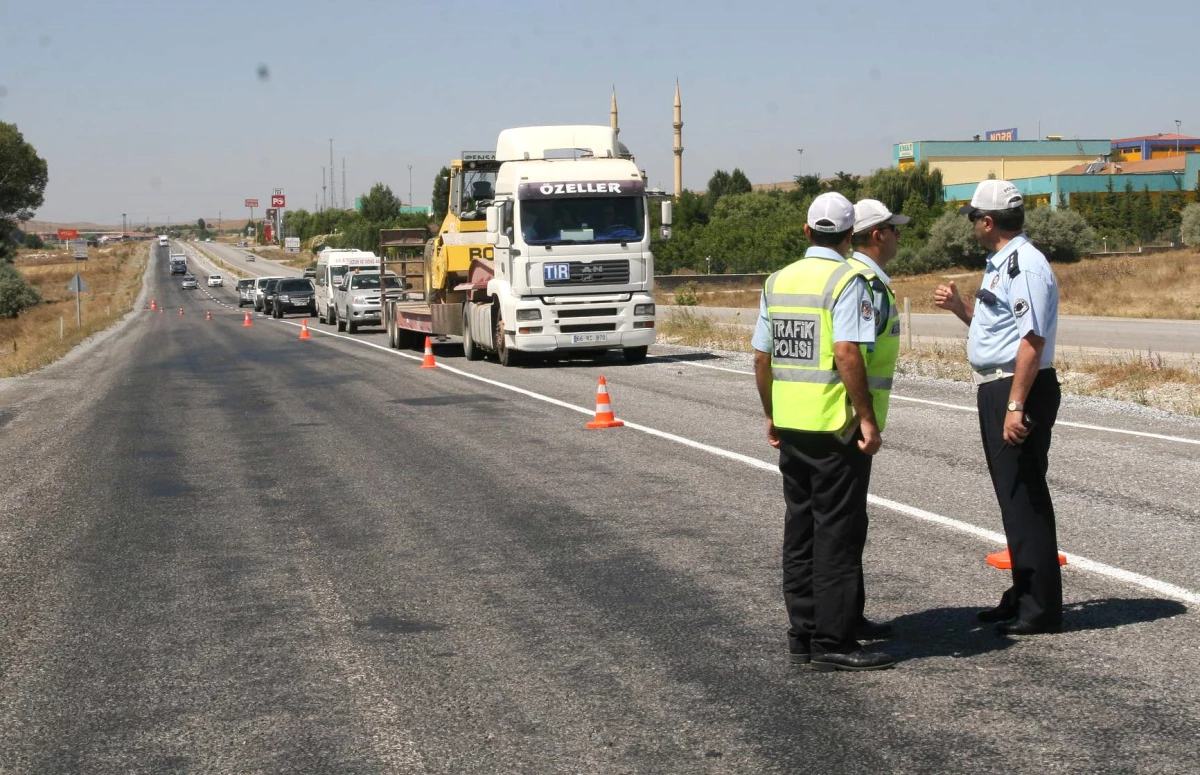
[
  {"x": 816, "y": 252},
  {"x": 874, "y": 267},
  {"x": 1000, "y": 256}
]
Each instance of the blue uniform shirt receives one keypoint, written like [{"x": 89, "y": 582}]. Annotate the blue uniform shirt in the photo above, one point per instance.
[
  {"x": 883, "y": 305},
  {"x": 1023, "y": 299},
  {"x": 849, "y": 325}
]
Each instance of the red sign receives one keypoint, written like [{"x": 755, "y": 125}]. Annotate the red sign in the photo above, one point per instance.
[
  {"x": 68, "y": 234},
  {"x": 278, "y": 200},
  {"x": 251, "y": 203},
  {"x": 268, "y": 232}
]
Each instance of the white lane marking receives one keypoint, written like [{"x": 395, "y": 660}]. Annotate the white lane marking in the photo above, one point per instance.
[
  {"x": 1101, "y": 569},
  {"x": 973, "y": 410}
]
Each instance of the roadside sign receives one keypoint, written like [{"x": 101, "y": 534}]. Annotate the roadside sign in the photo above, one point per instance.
[
  {"x": 291, "y": 244},
  {"x": 278, "y": 192},
  {"x": 271, "y": 213},
  {"x": 278, "y": 200},
  {"x": 68, "y": 233},
  {"x": 251, "y": 203},
  {"x": 81, "y": 252},
  {"x": 77, "y": 284}
]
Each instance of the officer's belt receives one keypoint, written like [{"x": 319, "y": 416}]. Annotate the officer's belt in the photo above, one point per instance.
[{"x": 983, "y": 376}]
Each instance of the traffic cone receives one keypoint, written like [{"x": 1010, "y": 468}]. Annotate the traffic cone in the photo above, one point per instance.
[
  {"x": 181, "y": 312},
  {"x": 604, "y": 413},
  {"x": 1003, "y": 560},
  {"x": 162, "y": 310},
  {"x": 208, "y": 314},
  {"x": 304, "y": 330},
  {"x": 428, "y": 363},
  {"x": 153, "y": 305},
  {"x": 246, "y": 323}
]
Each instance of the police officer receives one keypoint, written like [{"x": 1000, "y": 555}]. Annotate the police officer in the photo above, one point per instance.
[
  {"x": 1011, "y": 350},
  {"x": 876, "y": 237},
  {"x": 812, "y": 381}
]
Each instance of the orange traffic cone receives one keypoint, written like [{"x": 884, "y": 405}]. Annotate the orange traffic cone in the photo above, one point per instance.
[
  {"x": 153, "y": 305},
  {"x": 246, "y": 323},
  {"x": 604, "y": 413},
  {"x": 1003, "y": 560},
  {"x": 208, "y": 314},
  {"x": 428, "y": 362},
  {"x": 304, "y": 330},
  {"x": 181, "y": 312}
]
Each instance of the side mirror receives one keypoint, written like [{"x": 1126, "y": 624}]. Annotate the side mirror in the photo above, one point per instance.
[
  {"x": 667, "y": 211},
  {"x": 493, "y": 218}
]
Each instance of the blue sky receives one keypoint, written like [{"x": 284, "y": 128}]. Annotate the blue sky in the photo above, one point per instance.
[{"x": 156, "y": 109}]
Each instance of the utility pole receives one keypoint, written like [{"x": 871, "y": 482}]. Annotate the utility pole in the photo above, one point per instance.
[
  {"x": 801, "y": 164},
  {"x": 332, "y": 190},
  {"x": 218, "y": 221},
  {"x": 410, "y": 201},
  {"x": 344, "y": 200},
  {"x": 1177, "y": 123},
  {"x": 322, "y": 189}
]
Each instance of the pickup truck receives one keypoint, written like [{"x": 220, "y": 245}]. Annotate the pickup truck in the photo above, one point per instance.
[{"x": 356, "y": 300}]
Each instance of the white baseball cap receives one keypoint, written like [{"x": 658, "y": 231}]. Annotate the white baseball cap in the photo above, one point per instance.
[
  {"x": 831, "y": 213},
  {"x": 869, "y": 213},
  {"x": 992, "y": 195}
]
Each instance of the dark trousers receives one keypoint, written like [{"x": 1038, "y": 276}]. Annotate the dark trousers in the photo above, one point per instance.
[
  {"x": 1019, "y": 478},
  {"x": 824, "y": 530}
]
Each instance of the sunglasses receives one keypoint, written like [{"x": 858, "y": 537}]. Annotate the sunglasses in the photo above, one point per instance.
[{"x": 977, "y": 216}]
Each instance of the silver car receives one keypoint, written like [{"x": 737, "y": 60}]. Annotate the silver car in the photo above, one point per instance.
[
  {"x": 260, "y": 283},
  {"x": 356, "y": 300},
  {"x": 245, "y": 292}
]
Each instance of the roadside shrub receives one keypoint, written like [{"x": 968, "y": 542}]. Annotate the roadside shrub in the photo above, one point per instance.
[
  {"x": 952, "y": 239},
  {"x": 685, "y": 296},
  {"x": 912, "y": 261},
  {"x": 15, "y": 293},
  {"x": 1189, "y": 227},
  {"x": 1061, "y": 234}
]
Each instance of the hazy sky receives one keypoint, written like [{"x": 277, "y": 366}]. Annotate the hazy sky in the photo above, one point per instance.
[{"x": 156, "y": 109}]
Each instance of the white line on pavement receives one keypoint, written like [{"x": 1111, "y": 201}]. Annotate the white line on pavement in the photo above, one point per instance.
[{"x": 1082, "y": 563}]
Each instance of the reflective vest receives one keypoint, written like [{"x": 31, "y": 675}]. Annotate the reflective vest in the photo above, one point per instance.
[
  {"x": 881, "y": 359},
  {"x": 807, "y": 393}
]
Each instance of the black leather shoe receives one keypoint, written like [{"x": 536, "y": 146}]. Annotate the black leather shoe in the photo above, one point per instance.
[
  {"x": 855, "y": 660},
  {"x": 1022, "y": 627},
  {"x": 998, "y": 614},
  {"x": 869, "y": 630}
]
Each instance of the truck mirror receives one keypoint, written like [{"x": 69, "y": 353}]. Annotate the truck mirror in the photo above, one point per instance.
[
  {"x": 493, "y": 219},
  {"x": 667, "y": 206}
]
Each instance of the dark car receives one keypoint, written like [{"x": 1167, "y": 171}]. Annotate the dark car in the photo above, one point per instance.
[
  {"x": 294, "y": 294},
  {"x": 268, "y": 306}
]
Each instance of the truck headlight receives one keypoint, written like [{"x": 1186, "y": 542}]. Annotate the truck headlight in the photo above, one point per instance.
[
  {"x": 643, "y": 309},
  {"x": 359, "y": 300},
  {"x": 529, "y": 314}
]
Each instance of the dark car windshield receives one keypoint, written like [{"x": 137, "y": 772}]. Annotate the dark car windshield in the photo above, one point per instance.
[
  {"x": 294, "y": 285},
  {"x": 270, "y": 286}
]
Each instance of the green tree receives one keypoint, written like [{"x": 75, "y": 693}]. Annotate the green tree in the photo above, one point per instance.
[
  {"x": 752, "y": 232},
  {"x": 846, "y": 184},
  {"x": 1060, "y": 234},
  {"x": 441, "y": 194},
  {"x": 380, "y": 205},
  {"x": 724, "y": 183},
  {"x": 200, "y": 224},
  {"x": 1189, "y": 226},
  {"x": 15, "y": 293},
  {"x": 23, "y": 177},
  {"x": 34, "y": 242},
  {"x": 952, "y": 240},
  {"x": 807, "y": 186}
]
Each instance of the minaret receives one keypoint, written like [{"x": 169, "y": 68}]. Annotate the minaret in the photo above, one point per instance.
[
  {"x": 678, "y": 125},
  {"x": 612, "y": 114}
]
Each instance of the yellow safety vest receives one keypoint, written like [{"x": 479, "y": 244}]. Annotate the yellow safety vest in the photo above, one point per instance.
[
  {"x": 807, "y": 393},
  {"x": 881, "y": 359}
]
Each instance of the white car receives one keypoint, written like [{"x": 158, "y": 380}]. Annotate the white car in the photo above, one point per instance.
[{"x": 215, "y": 281}]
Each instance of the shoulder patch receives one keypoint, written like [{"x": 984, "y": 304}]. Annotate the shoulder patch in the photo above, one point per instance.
[
  {"x": 1014, "y": 266},
  {"x": 1020, "y": 307},
  {"x": 868, "y": 311},
  {"x": 995, "y": 279}
]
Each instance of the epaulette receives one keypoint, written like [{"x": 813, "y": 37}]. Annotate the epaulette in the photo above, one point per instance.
[{"x": 1014, "y": 268}]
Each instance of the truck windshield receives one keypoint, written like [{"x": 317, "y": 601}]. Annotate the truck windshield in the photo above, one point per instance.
[{"x": 582, "y": 220}]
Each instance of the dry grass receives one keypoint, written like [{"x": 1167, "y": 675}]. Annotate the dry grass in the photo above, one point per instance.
[
  {"x": 683, "y": 326},
  {"x": 113, "y": 276},
  {"x": 1128, "y": 286}
]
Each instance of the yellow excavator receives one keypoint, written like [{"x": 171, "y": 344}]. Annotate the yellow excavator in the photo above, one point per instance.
[{"x": 459, "y": 241}]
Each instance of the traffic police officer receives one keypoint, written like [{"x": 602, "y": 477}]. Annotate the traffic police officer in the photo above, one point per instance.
[
  {"x": 1011, "y": 350},
  {"x": 876, "y": 237},
  {"x": 812, "y": 381}
]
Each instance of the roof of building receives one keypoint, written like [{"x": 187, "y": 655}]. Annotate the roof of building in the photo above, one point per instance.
[
  {"x": 1143, "y": 167},
  {"x": 1159, "y": 136}
]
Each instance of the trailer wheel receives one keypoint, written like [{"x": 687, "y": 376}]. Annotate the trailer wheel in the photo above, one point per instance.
[
  {"x": 507, "y": 356},
  {"x": 470, "y": 350}
]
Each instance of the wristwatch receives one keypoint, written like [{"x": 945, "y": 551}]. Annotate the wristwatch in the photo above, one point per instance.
[{"x": 1016, "y": 406}]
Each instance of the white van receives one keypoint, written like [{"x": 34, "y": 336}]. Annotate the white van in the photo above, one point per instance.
[
  {"x": 163, "y": 240},
  {"x": 332, "y": 265}
]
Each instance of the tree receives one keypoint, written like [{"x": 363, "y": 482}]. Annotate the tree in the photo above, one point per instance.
[
  {"x": 1189, "y": 226},
  {"x": 808, "y": 186},
  {"x": 15, "y": 293},
  {"x": 724, "y": 183},
  {"x": 380, "y": 205},
  {"x": 1060, "y": 234},
  {"x": 34, "y": 242},
  {"x": 952, "y": 239},
  {"x": 23, "y": 177},
  {"x": 441, "y": 194},
  {"x": 200, "y": 224}
]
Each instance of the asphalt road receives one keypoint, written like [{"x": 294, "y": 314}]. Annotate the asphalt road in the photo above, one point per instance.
[
  {"x": 1127, "y": 334},
  {"x": 224, "y": 549}
]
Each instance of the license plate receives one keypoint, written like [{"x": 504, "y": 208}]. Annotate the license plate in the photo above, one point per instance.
[{"x": 588, "y": 338}]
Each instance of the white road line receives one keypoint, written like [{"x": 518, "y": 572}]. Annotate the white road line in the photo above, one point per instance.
[
  {"x": 973, "y": 410},
  {"x": 1082, "y": 563}
]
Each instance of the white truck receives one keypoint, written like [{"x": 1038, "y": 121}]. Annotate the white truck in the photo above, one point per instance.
[
  {"x": 564, "y": 264},
  {"x": 163, "y": 240},
  {"x": 332, "y": 266}
]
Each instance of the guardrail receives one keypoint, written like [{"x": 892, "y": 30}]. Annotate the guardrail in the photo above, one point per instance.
[{"x": 671, "y": 282}]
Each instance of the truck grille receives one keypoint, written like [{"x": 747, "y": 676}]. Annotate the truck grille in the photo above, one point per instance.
[
  {"x": 606, "y": 312},
  {"x": 615, "y": 272},
  {"x": 584, "y": 328}
]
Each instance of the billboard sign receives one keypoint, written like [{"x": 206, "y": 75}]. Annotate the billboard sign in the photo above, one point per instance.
[
  {"x": 291, "y": 244},
  {"x": 278, "y": 200},
  {"x": 1002, "y": 135},
  {"x": 251, "y": 203},
  {"x": 271, "y": 213},
  {"x": 905, "y": 151},
  {"x": 68, "y": 233}
]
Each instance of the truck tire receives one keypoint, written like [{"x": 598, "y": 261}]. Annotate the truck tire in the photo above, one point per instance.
[
  {"x": 470, "y": 350},
  {"x": 351, "y": 326},
  {"x": 635, "y": 354},
  {"x": 337, "y": 321},
  {"x": 507, "y": 356}
]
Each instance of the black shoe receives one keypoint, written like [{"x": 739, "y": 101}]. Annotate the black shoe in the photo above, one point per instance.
[
  {"x": 855, "y": 660},
  {"x": 869, "y": 630},
  {"x": 1000, "y": 613},
  {"x": 799, "y": 653},
  {"x": 1022, "y": 627}
]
